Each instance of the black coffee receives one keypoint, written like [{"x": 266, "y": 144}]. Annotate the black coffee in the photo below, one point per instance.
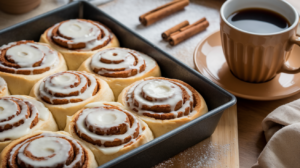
[{"x": 257, "y": 20}]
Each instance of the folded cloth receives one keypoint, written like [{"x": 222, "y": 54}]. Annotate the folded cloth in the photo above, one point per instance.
[{"x": 282, "y": 131}]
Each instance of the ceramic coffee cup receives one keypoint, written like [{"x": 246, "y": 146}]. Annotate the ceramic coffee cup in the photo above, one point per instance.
[{"x": 255, "y": 57}]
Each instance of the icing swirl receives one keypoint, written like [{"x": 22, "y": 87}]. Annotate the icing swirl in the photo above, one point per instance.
[
  {"x": 118, "y": 63},
  {"x": 160, "y": 98},
  {"x": 18, "y": 116},
  {"x": 80, "y": 34},
  {"x": 27, "y": 58},
  {"x": 108, "y": 126},
  {"x": 47, "y": 150},
  {"x": 68, "y": 87}
]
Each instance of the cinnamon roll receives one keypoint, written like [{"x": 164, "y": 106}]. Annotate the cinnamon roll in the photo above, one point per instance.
[
  {"x": 47, "y": 149},
  {"x": 3, "y": 88},
  {"x": 23, "y": 63},
  {"x": 108, "y": 130},
  {"x": 78, "y": 39},
  {"x": 66, "y": 92},
  {"x": 164, "y": 104},
  {"x": 120, "y": 67},
  {"x": 21, "y": 115}
]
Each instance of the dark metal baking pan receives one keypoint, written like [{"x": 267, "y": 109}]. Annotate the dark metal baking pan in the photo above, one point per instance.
[{"x": 172, "y": 142}]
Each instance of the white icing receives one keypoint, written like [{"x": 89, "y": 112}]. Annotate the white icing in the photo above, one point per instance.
[
  {"x": 61, "y": 88},
  {"x": 150, "y": 64},
  {"x": 106, "y": 119},
  {"x": 98, "y": 104},
  {"x": 159, "y": 89},
  {"x": 37, "y": 109},
  {"x": 120, "y": 117},
  {"x": 7, "y": 109},
  {"x": 64, "y": 80},
  {"x": 79, "y": 30},
  {"x": 42, "y": 110},
  {"x": 82, "y": 32},
  {"x": 172, "y": 100},
  {"x": 47, "y": 144},
  {"x": 35, "y": 53},
  {"x": 25, "y": 55},
  {"x": 116, "y": 54}
]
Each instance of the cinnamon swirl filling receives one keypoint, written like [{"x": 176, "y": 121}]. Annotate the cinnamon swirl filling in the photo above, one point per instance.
[
  {"x": 80, "y": 34},
  {"x": 160, "y": 98},
  {"x": 118, "y": 63},
  {"x": 27, "y": 58},
  {"x": 68, "y": 87},
  {"x": 16, "y": 113},
  {"x": 49, "y": 150},
  {"x": 107, "y": 126}
]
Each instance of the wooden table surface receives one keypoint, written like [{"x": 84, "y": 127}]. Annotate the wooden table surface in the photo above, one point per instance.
[{"x": 250, "y": 113}]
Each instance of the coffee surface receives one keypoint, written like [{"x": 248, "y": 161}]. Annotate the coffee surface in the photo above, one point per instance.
[{"x": 257, "y": 20}]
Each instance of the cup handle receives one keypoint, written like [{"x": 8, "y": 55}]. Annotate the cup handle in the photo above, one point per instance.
[{"x": 287, "y": 68}]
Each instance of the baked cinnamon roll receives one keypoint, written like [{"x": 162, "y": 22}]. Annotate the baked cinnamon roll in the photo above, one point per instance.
[
  {"x": 164, "y": 104},
  {"x": 120, "y": 67},
  {"x": 108, "y": 130},
  {"x": 78, "y": 39},
  {"x": 47, "y": 149},
  {"x": 66, "y": 92},
  {"x": 23, "y": 63},
  {"x": 22, "y": 115},
  {"x": 3, "y": 88}
]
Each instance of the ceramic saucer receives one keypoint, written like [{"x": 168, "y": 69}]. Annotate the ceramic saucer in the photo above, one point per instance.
[{"x": 210, "y": 61}]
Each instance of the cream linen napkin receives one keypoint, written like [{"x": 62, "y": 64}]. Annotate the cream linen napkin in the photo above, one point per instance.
[{"x": 282, "y": 131}]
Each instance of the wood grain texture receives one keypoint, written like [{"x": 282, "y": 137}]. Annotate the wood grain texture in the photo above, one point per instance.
[{"x": 218, "y": 151}]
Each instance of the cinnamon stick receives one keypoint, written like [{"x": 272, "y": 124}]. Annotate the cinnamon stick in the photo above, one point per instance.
[
  {"x": 197, "y": 22},
  {"x": 186, "y": 33},
  {"x": 165, "y": 35},
  {"x": 162, "y": 11}
]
